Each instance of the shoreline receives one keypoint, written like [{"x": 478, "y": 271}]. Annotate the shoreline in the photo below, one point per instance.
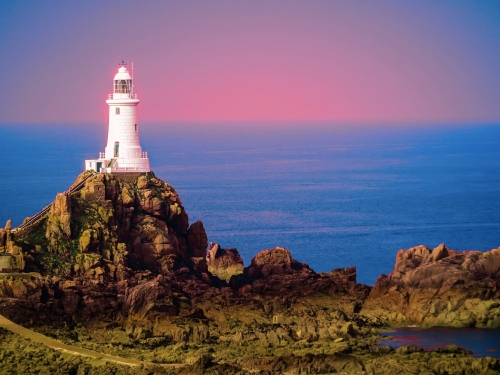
[{"x": 127, "y": 275}]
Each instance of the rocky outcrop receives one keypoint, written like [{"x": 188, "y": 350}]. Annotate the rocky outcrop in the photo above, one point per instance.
[
  {"x": 441, "y": 287},
  {"x": 58, "y": 227},
  {"x": 275, "y": 261},
  {"x": 111, "y": 225},
  {"x": 224, "y": 263},
  {"x": 276, "y": 276},
  {"x": 197, "y": 242}
]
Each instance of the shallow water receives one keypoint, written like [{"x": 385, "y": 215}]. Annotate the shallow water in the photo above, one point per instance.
[
  {"x": 482, "y": 342},
  {"x": 334, "y": 198}
]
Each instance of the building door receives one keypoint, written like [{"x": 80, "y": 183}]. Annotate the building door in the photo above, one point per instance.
[{"x": 98, "y": 166}]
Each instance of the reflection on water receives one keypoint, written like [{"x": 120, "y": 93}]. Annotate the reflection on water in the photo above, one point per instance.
[{"x": 482, "y": 342}]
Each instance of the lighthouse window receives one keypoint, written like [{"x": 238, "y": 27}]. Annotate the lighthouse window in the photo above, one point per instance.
[
  {"x": 123, "y": 86},
  {"x": 117, "y": 149},
  {"x": 117, "y": 110},
  {"x": 135, "y": 127}
]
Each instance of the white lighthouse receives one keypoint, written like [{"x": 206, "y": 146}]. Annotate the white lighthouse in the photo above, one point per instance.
[{"x": 123, "y": 151}]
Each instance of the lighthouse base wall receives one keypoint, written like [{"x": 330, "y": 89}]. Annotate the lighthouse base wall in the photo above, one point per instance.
[{"x": 119, "y": 165}]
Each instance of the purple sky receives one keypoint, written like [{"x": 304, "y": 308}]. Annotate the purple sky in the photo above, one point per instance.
[{"x": 325, "y": 61}]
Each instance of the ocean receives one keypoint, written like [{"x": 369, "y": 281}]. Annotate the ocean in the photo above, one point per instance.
[{"x": 333, "y": 197}]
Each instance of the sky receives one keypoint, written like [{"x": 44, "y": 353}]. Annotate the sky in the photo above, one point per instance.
[{"x": 253, "y": 61}]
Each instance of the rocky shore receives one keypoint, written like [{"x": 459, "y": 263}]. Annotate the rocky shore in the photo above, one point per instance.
[{"x": 117, "y": 268}]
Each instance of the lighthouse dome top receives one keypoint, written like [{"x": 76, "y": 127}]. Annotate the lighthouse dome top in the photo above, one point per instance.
[{"x": 122, "y": 74}]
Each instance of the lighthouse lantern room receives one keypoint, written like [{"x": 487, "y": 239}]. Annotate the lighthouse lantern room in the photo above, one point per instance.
[{"x": 123, "y": 152}]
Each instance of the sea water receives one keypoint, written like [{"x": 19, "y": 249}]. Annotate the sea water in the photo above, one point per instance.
[
  {"x": 481, "y": 341},
  {"x": 333, "y": 197}
]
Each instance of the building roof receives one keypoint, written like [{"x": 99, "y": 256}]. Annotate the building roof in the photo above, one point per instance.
[{"x": 122, "y": 74}]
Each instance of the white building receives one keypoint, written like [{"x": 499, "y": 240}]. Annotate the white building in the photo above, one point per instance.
[{"x": 123, "y": 152}]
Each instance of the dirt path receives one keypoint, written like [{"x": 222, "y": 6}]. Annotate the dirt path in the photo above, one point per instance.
[{"x": 70, "y": 349}]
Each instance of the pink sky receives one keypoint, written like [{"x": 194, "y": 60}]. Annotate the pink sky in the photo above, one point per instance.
[{"x": 384, "y": 61}]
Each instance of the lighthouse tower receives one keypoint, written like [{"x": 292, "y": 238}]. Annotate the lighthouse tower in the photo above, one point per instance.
[{"x": 123, "y": 152}]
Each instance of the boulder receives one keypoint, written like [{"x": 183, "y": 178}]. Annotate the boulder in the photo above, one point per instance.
[
  {"x": 141, "y": 299},
  {"x": 274, "y": 261},
  {"x": 224, "y": 263},
  {"x": 439, "y": 253}
]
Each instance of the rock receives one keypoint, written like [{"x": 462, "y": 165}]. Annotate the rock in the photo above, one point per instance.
[
  {"x": 141, "y": 299},
  {"x": 344, "y": 275},
  {"x": 407, "y": 260},
  {"x": 196, "y": 238},
  {"x": 274, "y": 261},
  {"x": 439, "y": 253},
  {"x": 155, "y": 245},
  {"x": 424, "y": 283},
  {"x": 199, "y": 264},
  {"x": 58, "y": 228},
  {"x": 451, "y": 348},
  {"x": 347, "y": 329},
  {"x": 88, "y": 240},
  {"x": 272, "y": 337},
  {"x": 2, "y": 240},
  {"x": 67, "y": 284},
  {"x": 19, "y": 289},
  {"x": 224, "y": 263}
]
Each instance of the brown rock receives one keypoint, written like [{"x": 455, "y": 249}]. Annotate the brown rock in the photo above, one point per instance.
[
  {"x": 224, "y": 263},
  {"x": 272, "y": 337},
  {"x": 274, "y": 261},
  {"x": 439, "y": 253},
  {"x": 197, "y": 240},
  {"x": 141, "y": 299},
  {"x": 58, "y": 229},
  {"x": 344, "y": 275},
  {"x": 424, "y": 283},
  {"x": 155, "y": 244}
]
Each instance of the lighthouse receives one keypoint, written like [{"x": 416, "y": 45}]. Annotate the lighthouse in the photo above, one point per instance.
[{"x": 123, "y": 152}]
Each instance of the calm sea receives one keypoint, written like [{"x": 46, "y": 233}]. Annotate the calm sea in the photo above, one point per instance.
[
  {"x": 481, "y": 341},
  {"x": 334, "y": 198}
]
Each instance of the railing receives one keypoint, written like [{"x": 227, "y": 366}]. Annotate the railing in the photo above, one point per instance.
[
  {"x": 101, "y": 155},
  {"x": 144, "y": 154},
  {"x": 122, "y": 95},
  {"x": 46, "y": 209}
]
